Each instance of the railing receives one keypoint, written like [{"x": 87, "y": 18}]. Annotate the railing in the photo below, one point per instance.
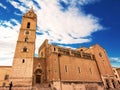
[
  {"x": 63, "y": 51},
  {"x": 76, "y": 53}
]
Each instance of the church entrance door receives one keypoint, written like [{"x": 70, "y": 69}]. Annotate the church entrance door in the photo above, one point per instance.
[
  {"x": 38, "y": 76},
  {"x": 38, "y": 79}
]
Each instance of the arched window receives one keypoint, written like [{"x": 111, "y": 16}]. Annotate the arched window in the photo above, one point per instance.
[
  {"x": 113, "y": 82},
  {"x": 54, "y": 49},
  {"x": 6, "y": 77},
  {"x": 81, "y": 50},
  {"x": 100, "y": 54},
  {"x": 26, "y": 39},
  {"x": 24, "y": 49},
  {"x": 28, "y": 25},
  {"x": 23, "y": 61}
]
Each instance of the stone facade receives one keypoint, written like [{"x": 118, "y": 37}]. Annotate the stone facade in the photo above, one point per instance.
[
  {"x": 83, "y": 67},
  {"x": 56, "y": 68}
]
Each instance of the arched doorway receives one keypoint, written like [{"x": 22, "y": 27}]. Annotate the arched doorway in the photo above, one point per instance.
[{"x": 38, "y": 74}]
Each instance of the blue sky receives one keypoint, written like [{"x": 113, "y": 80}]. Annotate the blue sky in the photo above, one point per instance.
[{"x": 69, "y": 23}]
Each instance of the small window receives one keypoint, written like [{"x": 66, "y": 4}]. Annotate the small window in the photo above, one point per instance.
[
  {"x": 24, "y": 49},
  {"x": 26, "y": 39},
  {"x": 116, "y": 76},
  {"x": 28, "y": 25},
  {"x": 54, "y": 49},
  {"x": 81, "y": 50},
  {"x": 78, "y": 69},
  {"x": 113, "y": 70},
  {"x": 6, "y": 77},
  {"x": 23, "y": 61},
  {"x": 66, "y": 68},
  {"x": 100, "y": 54}
]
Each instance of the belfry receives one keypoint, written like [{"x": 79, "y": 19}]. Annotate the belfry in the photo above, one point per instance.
[{"x": 25, "y": 48}]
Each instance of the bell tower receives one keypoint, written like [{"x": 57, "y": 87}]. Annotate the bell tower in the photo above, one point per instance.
[{"x": 24, "y": 54}]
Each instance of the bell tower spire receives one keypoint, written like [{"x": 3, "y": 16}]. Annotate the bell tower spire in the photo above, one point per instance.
[
  {"x": 24, "y": 53},
  {"x": 31, "y": 8},
  {"x": 30, "y": 14}
]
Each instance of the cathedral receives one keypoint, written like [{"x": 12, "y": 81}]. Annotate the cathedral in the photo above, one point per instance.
[{"x": 56, "y": 67}]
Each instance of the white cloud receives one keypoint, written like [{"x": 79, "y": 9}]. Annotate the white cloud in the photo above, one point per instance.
[
  {"x": 18, "y": 5},
  {"x": 1, "y": 5},
  {"x": 73, "y": 3},
  {"x": 115, "y": 59},
  {"x": 60, "y": 25},
  {"x": 8, "y": 38},
  {"x": 18, "y": 14},
  {"x": 72, "y": 26}
]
